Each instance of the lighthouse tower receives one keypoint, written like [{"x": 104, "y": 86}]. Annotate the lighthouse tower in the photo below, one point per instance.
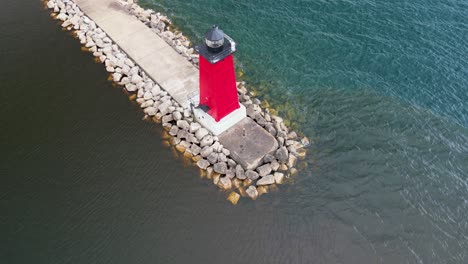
[{"x": 218, "y": 107}]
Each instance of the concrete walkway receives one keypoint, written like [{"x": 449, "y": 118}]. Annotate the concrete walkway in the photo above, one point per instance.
[{"x": 159, "y": 60}]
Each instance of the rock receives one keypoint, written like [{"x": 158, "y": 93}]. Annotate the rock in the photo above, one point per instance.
[
  {"x": 293, "y": 172},
  {"x": 220, "y": 167},
  {"x": 213, "y": 157},
  {"x": 167, "y": 118},
  {"x": 279, "y": 177},
  {"x": 305, "y": 142},
  {"x": 292, "y": 160},
  {"x": 173, "y": 131},
  {"x": 274, "y": 165},
  {"x": 177, "y": 115},
  {"x": 282, "y": 154},
  {"x": 50, "y": 4},
  {"x": 224, "y": 183},
  {"x": 147, "y": 104},
  {"x": 182, "y": 124},
  {"x": 180, "y": 148},
  {"x": 206, "y": 151},
  {"x": 216, "y": 146},
  {"x": 267, "y": 180},
  {"x": 252, "y": 192},
  {"x": 136, "y": 79},
  {"x": 147, "y": 95},
  {"x": 164, "y": 107},
  {"x": 151, "y": 111},
  {"x": 195, "y": 149},
  {"x": 264, "y": 170},
  {"x": 194, "y": 126},
  {"x": 268, "y": 158},
  {"x": 130, "y": 87},
  {"x": 203, "y": 164},
  {"x": 226, "y": 152},
  {"x": 156, "y": 90},
  {"x": 230, "y": 174},
  {"x": 231, "y": 163},
  {"x": 252, "y": 175},
  {"x": 206, "y": 141},
  {"x": 201, "y": 133},
  {"x": 233, "y": 197},
  {"x": 240, "y": 173},
  {"x": 292, "y": 135},
  {"x": 222, "y": 157},
  {"x": 116, "y": 77}
]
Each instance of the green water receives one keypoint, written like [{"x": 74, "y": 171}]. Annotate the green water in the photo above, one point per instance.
[{"x": 380, "y": 88}]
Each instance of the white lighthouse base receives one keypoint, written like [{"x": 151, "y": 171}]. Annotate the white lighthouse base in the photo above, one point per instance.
[{"x": 226, "y": 122}]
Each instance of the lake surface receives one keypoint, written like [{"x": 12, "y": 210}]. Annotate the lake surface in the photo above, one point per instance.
[{"x": 380, "y": 88}]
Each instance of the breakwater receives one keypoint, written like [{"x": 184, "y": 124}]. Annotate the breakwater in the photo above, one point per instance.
[{"x": 158, "y": 102}]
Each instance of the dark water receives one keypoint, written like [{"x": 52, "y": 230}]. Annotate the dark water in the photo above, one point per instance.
[{"x": 381, "y": 88}]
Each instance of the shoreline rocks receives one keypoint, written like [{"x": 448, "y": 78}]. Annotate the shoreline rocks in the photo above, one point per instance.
[{"x": 186, "y": 135}]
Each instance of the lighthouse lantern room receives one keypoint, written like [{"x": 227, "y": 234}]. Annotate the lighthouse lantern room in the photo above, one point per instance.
[{"x": 218, "y": 103}]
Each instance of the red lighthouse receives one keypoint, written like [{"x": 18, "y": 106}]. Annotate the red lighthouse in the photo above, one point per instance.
[{"x": 218, "y": 107}]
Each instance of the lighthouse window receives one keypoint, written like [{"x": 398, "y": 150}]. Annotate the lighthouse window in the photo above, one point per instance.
[{"x": 215, "y": 43}]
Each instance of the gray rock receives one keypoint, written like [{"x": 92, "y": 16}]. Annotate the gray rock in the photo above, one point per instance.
[
  {"x": 194, "y": 126},
  {"x": 201, "y": 133},
  {"x": 240, "y": 173},
  {"x": 275, "y": 165},
  {"x": 147, "y": 104},
  {"x": 226, "y": 152},
  {"x": 264, "y": 170},
  {"x": 177, "y": 115},
  {"x": 252, "y": 175},
  {"x": 116, "y": 77},
  {"x": 156, "y": 90},
  {"x": 231, "y": 163},
  {"x": 224, "y": 183},
  {"x": 195, "y": 149},
  {"x": 206, "y": 141},
  {"x": 167, "y": 118},
  {"x": 182, "y": 124},
  {"x": 174, "y": 130},
  {"x": 267, "y": 180},
  {"x": 147, "y": 95},
  {"x": 305, "y": 142},
  {"x": 291, "y": 160},
  {"x": 230, "y": 174},
  {"x": 252, "y": 192},
  {"x": 213, "y": 157},
  {"x": 136, "y": 79},
  {"x": 268, "y": 158},
  {"x": 220, "y": 167},
  {"x": 222, "y": 157},
  {"x": 206, "y": 151},
  {"x": 203, "y": 164},
  {"x": 151, "y": 111},
  {"x": 282, "y": 154},
  {"x": 164, "y": 107},
  {"x": 279, "y": 177}
]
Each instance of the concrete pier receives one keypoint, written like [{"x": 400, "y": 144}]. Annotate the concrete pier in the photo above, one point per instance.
[
  {"x": 159, "y": 60},
  {"x": 247, "y": 141}
]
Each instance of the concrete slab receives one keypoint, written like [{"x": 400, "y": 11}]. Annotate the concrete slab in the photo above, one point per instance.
[
  {"x": 248, "y": 143},
  {"x": 157, "y": 58}
]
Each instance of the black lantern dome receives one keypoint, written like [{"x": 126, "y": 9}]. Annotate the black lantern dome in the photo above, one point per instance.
[{"x": 216, "y": 45}]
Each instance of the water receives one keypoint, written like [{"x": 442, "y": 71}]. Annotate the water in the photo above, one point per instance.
[{"x": 381, "y": 88}]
